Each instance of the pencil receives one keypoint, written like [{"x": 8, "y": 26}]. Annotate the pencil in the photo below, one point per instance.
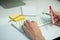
[{"x": 52, "y": 17}]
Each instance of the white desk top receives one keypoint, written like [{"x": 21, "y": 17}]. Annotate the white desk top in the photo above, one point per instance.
[{"x": 9, "y": 33}]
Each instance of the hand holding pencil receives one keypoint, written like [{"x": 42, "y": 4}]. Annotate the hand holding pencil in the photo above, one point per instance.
[{"x": 55, "y": 16}]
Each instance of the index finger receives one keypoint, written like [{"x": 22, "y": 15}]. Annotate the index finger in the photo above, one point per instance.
[{"x": 29, "y": 22}]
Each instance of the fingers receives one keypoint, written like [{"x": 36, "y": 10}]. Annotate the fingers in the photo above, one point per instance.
[
  {"x": 31, "y": 25},
  {"x": 26, "y": 30},
  {"x": 28, "y": 25},
  {"x": 29, "y": 22},
  {"x": 56, "y": 13},
  {"x": 57, "y": 23},
  {"x": 31, "y": 29},
  {"x": 33, "y": 22},
  {"x": 54, "y": 17},
  {"x": 55, "y": 20}
]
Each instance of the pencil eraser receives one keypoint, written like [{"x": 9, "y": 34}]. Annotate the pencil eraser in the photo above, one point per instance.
[
  {"x": 50, "y": 7},
  {"x": 16, "y": 17}
]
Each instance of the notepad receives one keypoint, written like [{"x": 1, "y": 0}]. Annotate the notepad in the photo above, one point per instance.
[{"x": 17, "y": 17}]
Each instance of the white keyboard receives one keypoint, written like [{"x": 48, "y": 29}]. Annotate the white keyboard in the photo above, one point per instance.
[{"x": 38, "y": 19}]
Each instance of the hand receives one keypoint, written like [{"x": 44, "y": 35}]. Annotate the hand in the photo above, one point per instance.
[
  {"x": 56, "y": 18},
  {"x": 32, "y": 30}
]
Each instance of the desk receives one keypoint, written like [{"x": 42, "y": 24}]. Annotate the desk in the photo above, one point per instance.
[
  {"x": 7, "y": 32},
  {"x": 49, "y": 31}
]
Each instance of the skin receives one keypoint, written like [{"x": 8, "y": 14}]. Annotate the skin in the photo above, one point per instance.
[
  {"x": 32, "y": 30},
  {"x": 56, "y": 18}
]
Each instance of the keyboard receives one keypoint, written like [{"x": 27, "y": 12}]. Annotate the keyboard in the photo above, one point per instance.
[{"x": 40, "y": 21}]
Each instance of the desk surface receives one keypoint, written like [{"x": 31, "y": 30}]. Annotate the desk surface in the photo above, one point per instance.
[{"x": 9, "y": 33}]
